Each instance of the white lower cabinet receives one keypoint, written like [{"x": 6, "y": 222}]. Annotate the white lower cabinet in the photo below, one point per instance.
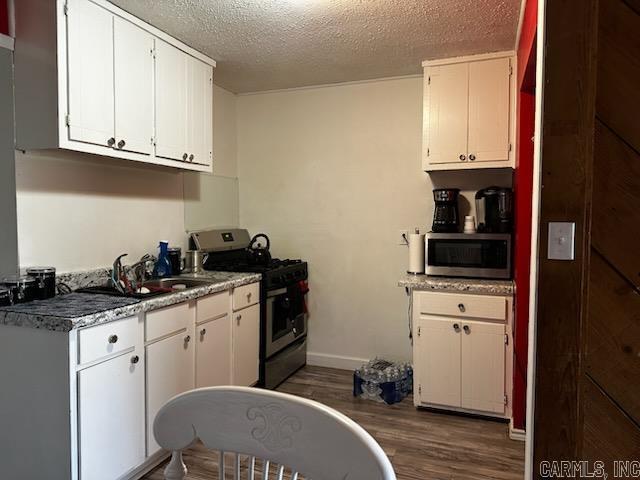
[
  {"x": 213, "y": 352},
  {"x": 125, "y": 371},
  {"x": 462, "y": 363},
  {"x": 437, "y": 362},
  {"x": 111, "y": 417},
  {"x": 170, "y": 371},
  {"x": 246, "y": 346},
  {"x": 483, "y": 362}
]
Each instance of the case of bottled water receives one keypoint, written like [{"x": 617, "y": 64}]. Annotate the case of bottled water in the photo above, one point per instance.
[{"x": 383, "y": 381}]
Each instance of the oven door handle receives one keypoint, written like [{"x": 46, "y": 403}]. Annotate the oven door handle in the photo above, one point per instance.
[{"x": 275, "y": 293}]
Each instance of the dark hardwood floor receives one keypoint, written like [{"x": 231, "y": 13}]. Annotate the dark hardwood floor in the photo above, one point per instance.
[{"x": 421, "y": 444}]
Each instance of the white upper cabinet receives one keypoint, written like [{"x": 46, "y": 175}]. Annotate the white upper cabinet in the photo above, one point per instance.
[
  {"x": 469, "y": 118},
  {"x": 489, "y": 97},
  {"x": 200, "y": 104},
  {"x": 92, "y": 78},
  {"x": 171, "y": 102},
  {"x": 446, "y": 122},
  {"x": 133, "y": 74}
]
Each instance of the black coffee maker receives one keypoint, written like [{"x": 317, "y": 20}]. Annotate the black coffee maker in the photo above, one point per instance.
[
  {"x": 445, "y": 215},
  {"x": 494, "y": 209}
]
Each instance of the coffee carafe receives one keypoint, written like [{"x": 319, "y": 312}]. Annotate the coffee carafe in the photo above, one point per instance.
[
  {"x": 445, "y": 214},
  {"x": 494, "y": 209}
]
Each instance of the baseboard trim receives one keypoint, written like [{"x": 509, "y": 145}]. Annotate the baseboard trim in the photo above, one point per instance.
[
  {"x": 334, "y": 361},
  {"x": 516, "y": 433}
]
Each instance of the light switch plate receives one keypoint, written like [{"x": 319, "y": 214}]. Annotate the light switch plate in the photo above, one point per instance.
[{"x": 562, "y": 241}]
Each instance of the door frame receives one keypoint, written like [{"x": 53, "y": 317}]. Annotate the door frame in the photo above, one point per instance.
[{"x": 564, "y": 127}]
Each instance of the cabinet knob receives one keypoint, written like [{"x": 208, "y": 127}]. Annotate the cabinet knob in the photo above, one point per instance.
[
  {"x": 113, "y": 338},
  {"x": 249, "y": 297},
  {"x": 184, "y": 157},
  {"x": 121, "y": 143},
  {"x": 472, "y": 157},
  {"x": 466, "y": 329},
  {"x": 463, "y": 157},
  {"x": 191, "y": 157},
  {"x": 111, "y": 142},
  {"x": 135, "y": 359},
  {"x": 187, "y": 339},
  {"x": 461, "y": 307},
  {"x": 238, "y": 318},
  {"x": 456, "y": 327},
  {"x": 203, "y": 332}
]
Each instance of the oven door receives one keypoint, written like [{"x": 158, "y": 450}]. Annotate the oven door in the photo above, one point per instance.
[{"x": 286, "y": 319}]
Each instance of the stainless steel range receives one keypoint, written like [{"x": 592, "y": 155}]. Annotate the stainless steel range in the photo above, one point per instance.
[{"x": 283, "y": 312}]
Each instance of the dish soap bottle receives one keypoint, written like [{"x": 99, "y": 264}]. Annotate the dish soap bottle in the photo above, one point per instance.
[{"x": 162, "y": 268}]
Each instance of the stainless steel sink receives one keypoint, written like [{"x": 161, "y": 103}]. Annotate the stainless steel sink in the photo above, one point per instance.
[{"x": 176, "y": 283}]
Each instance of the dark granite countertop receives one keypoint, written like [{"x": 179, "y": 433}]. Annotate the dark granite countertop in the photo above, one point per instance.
[{"x": 76, "y": 310}]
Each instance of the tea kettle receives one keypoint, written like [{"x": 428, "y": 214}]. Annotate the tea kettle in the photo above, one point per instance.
[{"x": 259, "y": 255}]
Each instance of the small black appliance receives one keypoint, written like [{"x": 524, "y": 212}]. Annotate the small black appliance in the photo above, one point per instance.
[
  {"x": 445, "y": 215},
  {"x": 494, "y": 209}
]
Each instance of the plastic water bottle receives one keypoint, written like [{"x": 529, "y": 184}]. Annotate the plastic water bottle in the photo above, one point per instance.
[{"x": 162, "y": 268}]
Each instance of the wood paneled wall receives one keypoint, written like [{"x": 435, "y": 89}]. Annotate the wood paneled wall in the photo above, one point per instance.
[{"x": 587, "y": 390}]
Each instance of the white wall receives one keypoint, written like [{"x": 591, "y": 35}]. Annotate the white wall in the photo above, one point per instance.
[
  {"x": 332, "y": 174},
  {"x": 78, "y": 212}
]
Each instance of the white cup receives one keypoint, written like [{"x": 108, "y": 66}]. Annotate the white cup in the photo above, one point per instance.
[{"x": 469, "y": 224}]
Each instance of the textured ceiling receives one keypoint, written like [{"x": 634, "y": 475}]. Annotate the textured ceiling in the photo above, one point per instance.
[{"x": 273, "y": 44}]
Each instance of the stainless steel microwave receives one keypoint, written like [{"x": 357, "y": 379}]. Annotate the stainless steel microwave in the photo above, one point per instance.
[{"x": 476, "y": 255}]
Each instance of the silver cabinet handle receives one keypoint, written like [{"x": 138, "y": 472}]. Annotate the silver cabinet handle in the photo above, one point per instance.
[
  {"x": 113, "y": 338},
  {"x": 456, "y": 327},
  {"x": 135, "y": 359},
  {"x": 466, "y": 329},
  {"x": 461, "y": 307},
  {"x": 121, "y": 143},
  {"x": 203, "y": 332},
  {"x": 472, "y": 157},
  {"x": 238, "y": 318},
  {"x": 187, "y": 339},
  {"x": 463, "y": 157},
  {"x": 184, "y": 157},
  {"x": 111, "y": 142},
  {"x": 249, "y": 297},
  {"x": 191, "y": 157}
]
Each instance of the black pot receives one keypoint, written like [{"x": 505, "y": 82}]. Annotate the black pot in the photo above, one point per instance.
[
  {"x": 46, "y": 281},
  {"x": 22, "y": 288},
  {"x": 259, "y": 255}
]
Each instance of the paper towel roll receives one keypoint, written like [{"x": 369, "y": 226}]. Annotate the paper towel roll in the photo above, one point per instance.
[{"x": 416, "y": 253}]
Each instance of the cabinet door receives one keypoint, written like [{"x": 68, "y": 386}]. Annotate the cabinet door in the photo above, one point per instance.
[
  {"x": 90, "y": 73},
  {"x": 199, "y": 111},
  {"x": 171, "y": 102},
  {"x": 483, "y": 358},
  {"x": 489, "y": 100},
  {"x": 170, "y": 365},
  {"x": 246, "y": 345},
  {"x": 133, "y": 73},
  {"x": 111, "y": 418},
  {"x": 446, "y": 112},
  {"x": 213, "y": 353},
  {"x": 438, "y": 361}
]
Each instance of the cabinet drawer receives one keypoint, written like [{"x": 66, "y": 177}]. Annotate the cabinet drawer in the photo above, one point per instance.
[
  {"x": 246, "y": 296},
  {"x": 462, "y": 305},
  {"x": 103, "y": 340},
  {"x": 167, "y": 320},
  {"x": 213, "y": 306}
]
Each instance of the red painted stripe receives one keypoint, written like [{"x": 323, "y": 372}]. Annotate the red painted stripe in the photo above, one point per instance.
[
  {"x": 4, "y": 17},
  {"x": 523, "y": 183}
]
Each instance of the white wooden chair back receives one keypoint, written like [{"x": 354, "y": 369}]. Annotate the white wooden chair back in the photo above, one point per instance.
[{"x": 271, "y": 428}]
